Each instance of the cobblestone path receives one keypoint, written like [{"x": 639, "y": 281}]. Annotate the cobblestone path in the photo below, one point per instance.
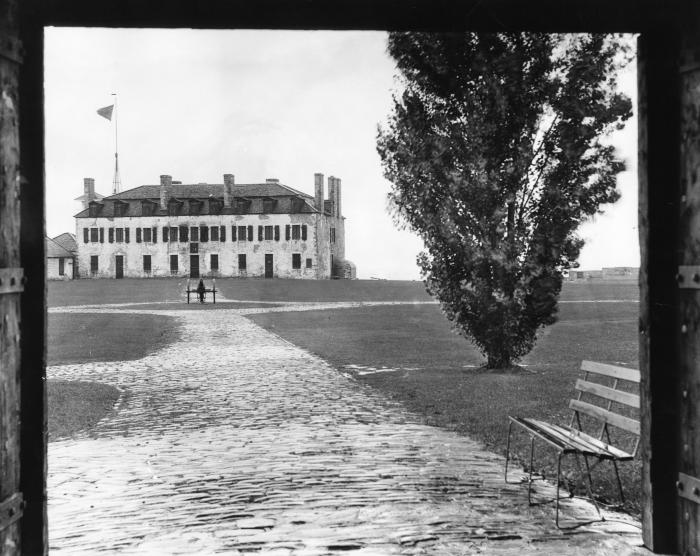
[{"x": 234, "y": 441}]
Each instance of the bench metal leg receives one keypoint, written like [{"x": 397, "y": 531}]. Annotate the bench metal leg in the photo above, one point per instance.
[
  {"x": 529, "y": 479},
  {"x": 619, "y": 482},
  {"x": 510, "y": 428},
  {"x": 556, "y": 519},
  {"x": 588, "y": 488}
]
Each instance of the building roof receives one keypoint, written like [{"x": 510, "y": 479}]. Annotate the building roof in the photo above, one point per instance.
[
  {"x": 54, "y": 250},
  {"x": 67, "y": 241},
  {"x": 255, "y": 194}
]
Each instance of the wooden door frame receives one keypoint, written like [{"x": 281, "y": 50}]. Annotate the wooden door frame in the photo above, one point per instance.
[{"x": 663, "y": 26}]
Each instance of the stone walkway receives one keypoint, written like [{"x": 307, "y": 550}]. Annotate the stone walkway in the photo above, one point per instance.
[{"x": 234, "y": 441}]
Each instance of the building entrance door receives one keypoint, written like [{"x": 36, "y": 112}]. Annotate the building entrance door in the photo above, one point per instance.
[
  {"x": 194, "y": 266},
  {"x": 120, "y": 266},
  {"x": 268, "y": 266}
]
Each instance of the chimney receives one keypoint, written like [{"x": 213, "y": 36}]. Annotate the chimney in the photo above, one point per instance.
[
  {"x": 165, "y": 183},
  {"x": 88, "y": 191},
  {"x": 338, "y": 212},
  {"x": 271, "y": 180},
  {"x": 229, "y": 180},
  {"x": 332, "y": 195},
  {"x": 318, "y": 192}
]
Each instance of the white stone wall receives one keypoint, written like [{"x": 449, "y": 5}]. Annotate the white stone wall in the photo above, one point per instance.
[
  {"x": 52, "y": 269},
  {"x": 316, "y": 248}
]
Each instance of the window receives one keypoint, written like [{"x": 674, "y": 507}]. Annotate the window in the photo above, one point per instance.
[
  {"x": 296, "y": 260},
  {"x": 260, "y": 233},
  {"x": 242, "y": 234},
  {"x": 94, "y": 237},
  {"x": 241, "y": 262},
  {"x": 147, "y": 235},
  {"x": 93, "y": 264},
  {"x": 86, "y": 235},
  {"x": 250, "y": 233},
  {"x": 147, "y": 207},
  {"x": 138, "y": 235},
  {"x": 287, "y": 232},
  {"x": 102, "y": 235},
  {"x": 173, "y": 234},
  {"x": 203, "y": 233},
  {"x": 194, "y": 233},
  {"x": 222, "y": 233},
  {"x": 110, "y": 234},
  {"x": 277, "y": 233},
  {"x": 269, "y": 233},
  {"x": 215, "y": 206},
  {"x": 147, "y": 264},
  {"x": 126, "y": 235},
  {"x": 94, "y": 209},
  {"x": 120, "y": 235},
  {"x": 166, "y": 234},
  {"x": 269, "y": 205},
  {"x": 120, "y": 208},
  {"x": 61, "y": 266},
  {"x": 184, "y": 231},
  {"x": 332, "y": 235},
  {"x": 214, "y": 233},
  {"x": 173, "y": 208},
  {"x": 296, "y": 231},
  {"x": 173, "y": 264},
  {"x": 214, "y": 263},
  {"x": 154, "y": 233},
  {"x": 303, "y": 232},
  {"x": 195, "y": 206},
  {"x": 234, "y": 235},
  {"x": 309, "y": 263},
  {"x": 194, "y": 248}
]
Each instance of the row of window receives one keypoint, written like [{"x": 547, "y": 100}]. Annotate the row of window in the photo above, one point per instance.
[
  {"x": 213, "y": 263},
  {"x": 203, "y": 234}
]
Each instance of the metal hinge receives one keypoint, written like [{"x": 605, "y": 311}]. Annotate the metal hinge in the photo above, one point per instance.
[
  {"x": 688, "y": 487},
  {"x": 11, "y": 280},
  {"x": 688, "y": 277},
  {"x": 11, "y": 509}
]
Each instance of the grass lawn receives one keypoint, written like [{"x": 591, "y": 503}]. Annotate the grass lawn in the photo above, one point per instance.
[
  {"x": 436, "y": 372},
  {"x": 86, "y": 337},
  {"x": 133, "y": 290},
  {"x": 76, "y": 406}
]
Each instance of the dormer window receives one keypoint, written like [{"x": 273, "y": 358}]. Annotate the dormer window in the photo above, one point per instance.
[
  {"x": 120, "y": 208},
  {"x": 174, "y": 207},
  {"x": 297, "y": 204},
  {"x": 215, "y": 205},
  {"x": 195, "y": 206},
  {"x": 94, "y": 209},
  {"x": 269, "y": 204},
  {"x": 242, "y": 205},
  {"x": 148, "y": 207}
]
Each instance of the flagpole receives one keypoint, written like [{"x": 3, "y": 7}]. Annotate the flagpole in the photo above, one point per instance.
[{"x": 117, "y": 181}]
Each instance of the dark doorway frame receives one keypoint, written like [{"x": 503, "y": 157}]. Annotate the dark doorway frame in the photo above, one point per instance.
[
  {"x": 269, "y": 265},
  {"x": 666, "y": 38}
]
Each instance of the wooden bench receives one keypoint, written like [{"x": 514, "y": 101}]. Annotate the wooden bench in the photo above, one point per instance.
[
  {"x": 571, "y": 439},
  {"x": 195, "y": 292}
]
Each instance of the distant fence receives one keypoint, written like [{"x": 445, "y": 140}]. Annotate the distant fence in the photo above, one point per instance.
[{"x": 611, "y": 273}]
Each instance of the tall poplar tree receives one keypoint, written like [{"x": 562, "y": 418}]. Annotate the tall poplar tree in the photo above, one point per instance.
[{"x": 496, "y": 153}]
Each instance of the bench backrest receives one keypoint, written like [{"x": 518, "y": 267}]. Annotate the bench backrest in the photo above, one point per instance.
[{"x": 608, "y": 394}]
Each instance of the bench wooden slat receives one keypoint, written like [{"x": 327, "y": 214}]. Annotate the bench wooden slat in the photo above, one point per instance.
[
  {"x": 613, "y": 371},
  {"x": 620, "y": 421},
  {"x": 582, "y": 438},
  {"x": 528, "y": 425},
  {"x": 619, "y": 396},
  {"x": 576, "y": 443}
]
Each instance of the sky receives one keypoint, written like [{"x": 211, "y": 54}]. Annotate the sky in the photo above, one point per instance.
[{"x": 197, "y": 104}]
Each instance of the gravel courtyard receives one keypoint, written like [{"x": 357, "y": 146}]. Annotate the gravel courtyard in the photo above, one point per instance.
[{"x": 235, "y": 441}]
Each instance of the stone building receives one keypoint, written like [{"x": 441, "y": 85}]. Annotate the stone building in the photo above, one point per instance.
[
  {"x": 61, "y": 252},
  {"x": 244, "y": 230}
]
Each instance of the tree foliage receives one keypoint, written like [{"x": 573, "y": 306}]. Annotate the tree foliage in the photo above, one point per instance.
[{"x": 496, "y": 153}]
